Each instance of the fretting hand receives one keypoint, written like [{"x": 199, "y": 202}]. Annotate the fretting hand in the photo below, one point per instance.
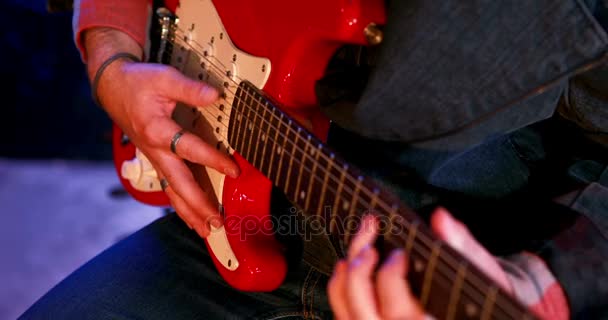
[{"x": 356, "y": 292}]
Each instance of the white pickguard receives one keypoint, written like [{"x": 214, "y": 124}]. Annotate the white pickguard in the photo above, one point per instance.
[{"x": 203, "y": 51}]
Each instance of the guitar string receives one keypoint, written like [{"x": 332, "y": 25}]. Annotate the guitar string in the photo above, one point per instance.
[
  {"x": 220, "y": 74},
  {"x": 424, "y": 252}
]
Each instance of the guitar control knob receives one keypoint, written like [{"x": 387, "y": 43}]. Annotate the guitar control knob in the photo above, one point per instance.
[
  {"x": 140, "y": 173},
  {"x": 131, "y": 170}
]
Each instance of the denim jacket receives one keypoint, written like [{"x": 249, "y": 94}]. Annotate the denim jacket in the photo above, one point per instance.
[{"x": 499, "y": 111}]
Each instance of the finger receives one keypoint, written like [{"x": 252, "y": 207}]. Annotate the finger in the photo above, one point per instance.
[
  {"x": 178, "y": 87},
  {"x": 458, "y": 236},
  {"x": 365, "y": 237},
  {"x": 360, "y": 293},
  {"x": 336, "y": 291},
  {"x": 195, "y": 150},
  {"x": 182, "y": 183},
  {"x": 161, "y": 134},
  {"x": 186, "y": 213},
  {"x": 395, "y": 299}
]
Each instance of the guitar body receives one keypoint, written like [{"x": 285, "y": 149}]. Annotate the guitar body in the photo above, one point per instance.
[{"x": 283, "y": 48}]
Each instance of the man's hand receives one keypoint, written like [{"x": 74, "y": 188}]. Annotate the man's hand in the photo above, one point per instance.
[
  {"x": 356, "y": 293},
  {"x": 140, "y": 99}
]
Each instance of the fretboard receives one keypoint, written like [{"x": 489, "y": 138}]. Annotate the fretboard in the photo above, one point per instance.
[{"x": 325, "y": 186}]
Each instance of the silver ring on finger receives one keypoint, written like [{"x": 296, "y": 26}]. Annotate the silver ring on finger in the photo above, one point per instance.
[
  {"x": 175, "y": 140},
  {"x": 164, "y": 184}
]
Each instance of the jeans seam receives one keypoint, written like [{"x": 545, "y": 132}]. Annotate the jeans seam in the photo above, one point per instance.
[
  {"x": 284, "y": 314},
  {"x": 312, "y": 295},
  {"x": 304, "y": 291}
]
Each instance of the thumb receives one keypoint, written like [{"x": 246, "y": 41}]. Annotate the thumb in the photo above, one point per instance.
[
  {"x": 458, "y": 236},
  {"x": 180, "y": 88}
]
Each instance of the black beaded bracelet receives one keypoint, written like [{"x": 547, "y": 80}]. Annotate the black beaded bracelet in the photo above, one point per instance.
[{"x": 104, "y": 65}]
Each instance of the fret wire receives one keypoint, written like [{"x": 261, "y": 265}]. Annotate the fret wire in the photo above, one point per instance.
[
  {"x": 455, "y": 292},
  {"x": 233, "y": 127},
  {"x": 243, "y": 122},
  {"x": 254, "y": 117},
  {"x": 374, "y": 200},
  {"x": 488, "y": 304},
  {"x": 312, "y": 173},
  {"x": 337, "y": 200},
  {"x": 411, "y": 236},
  {"x": 299, "y": 178},
  {"x": 450, "y": 257},
  {"x": 291, "y": 158},
  {"x": 249, "y": 127},
  {"x": 280, "y": 172},
  {"x": 428, "y": 274},
  {"x": 353, "y": 205},
  {"x": 264, "y": 134},
  {"x": 260, "y": 130},
  {"x": 274, "y": 150},
  {"x": 323, "y": 191},
  {"x": 246, "y": 123}
]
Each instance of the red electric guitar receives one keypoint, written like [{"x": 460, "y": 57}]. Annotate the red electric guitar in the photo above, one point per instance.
[{"x": 283, "y": 48}]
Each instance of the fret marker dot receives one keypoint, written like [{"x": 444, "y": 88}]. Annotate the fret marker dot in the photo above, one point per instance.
[
  {"x": 263, "y": 137},
  {"x": 302, "y": 195},
  {"x": 471, "y": 310},
  {"x": 238, "y": 117},
  {"x": 279, "y": 150},
  {"x": 345, "y": 205},
  {"x": 249, "y": 127},
  {"x": 418, "y": 265}
]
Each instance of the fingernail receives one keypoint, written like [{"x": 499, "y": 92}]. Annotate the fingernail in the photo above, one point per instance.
[
  {"x": 365, "y": 250},
  {"x": 233, "y": 173},
  {"x": 396, "y": 256},
  {"x": 209, "y": 93}
]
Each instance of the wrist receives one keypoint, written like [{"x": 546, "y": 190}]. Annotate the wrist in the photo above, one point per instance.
[
  {"x": 101, "y": 43},
  {"x": 115, "y": 59}
]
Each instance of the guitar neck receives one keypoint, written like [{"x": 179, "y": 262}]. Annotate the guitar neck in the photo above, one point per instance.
[{"x": 326, "y": 187}]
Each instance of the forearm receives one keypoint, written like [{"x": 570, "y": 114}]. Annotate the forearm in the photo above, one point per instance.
[{"x": 129, "y": 17}]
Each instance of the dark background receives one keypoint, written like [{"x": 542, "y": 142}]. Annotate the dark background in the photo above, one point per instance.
[
  {"x": 60, "y": 199},
  {"x": 47, "y": 110}
]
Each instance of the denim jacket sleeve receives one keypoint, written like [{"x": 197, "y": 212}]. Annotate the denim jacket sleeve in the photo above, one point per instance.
[{"x": 578, "y": 256}]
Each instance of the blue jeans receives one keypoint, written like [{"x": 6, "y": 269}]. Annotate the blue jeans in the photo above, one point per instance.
[{"x": 164, "y": 272}]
